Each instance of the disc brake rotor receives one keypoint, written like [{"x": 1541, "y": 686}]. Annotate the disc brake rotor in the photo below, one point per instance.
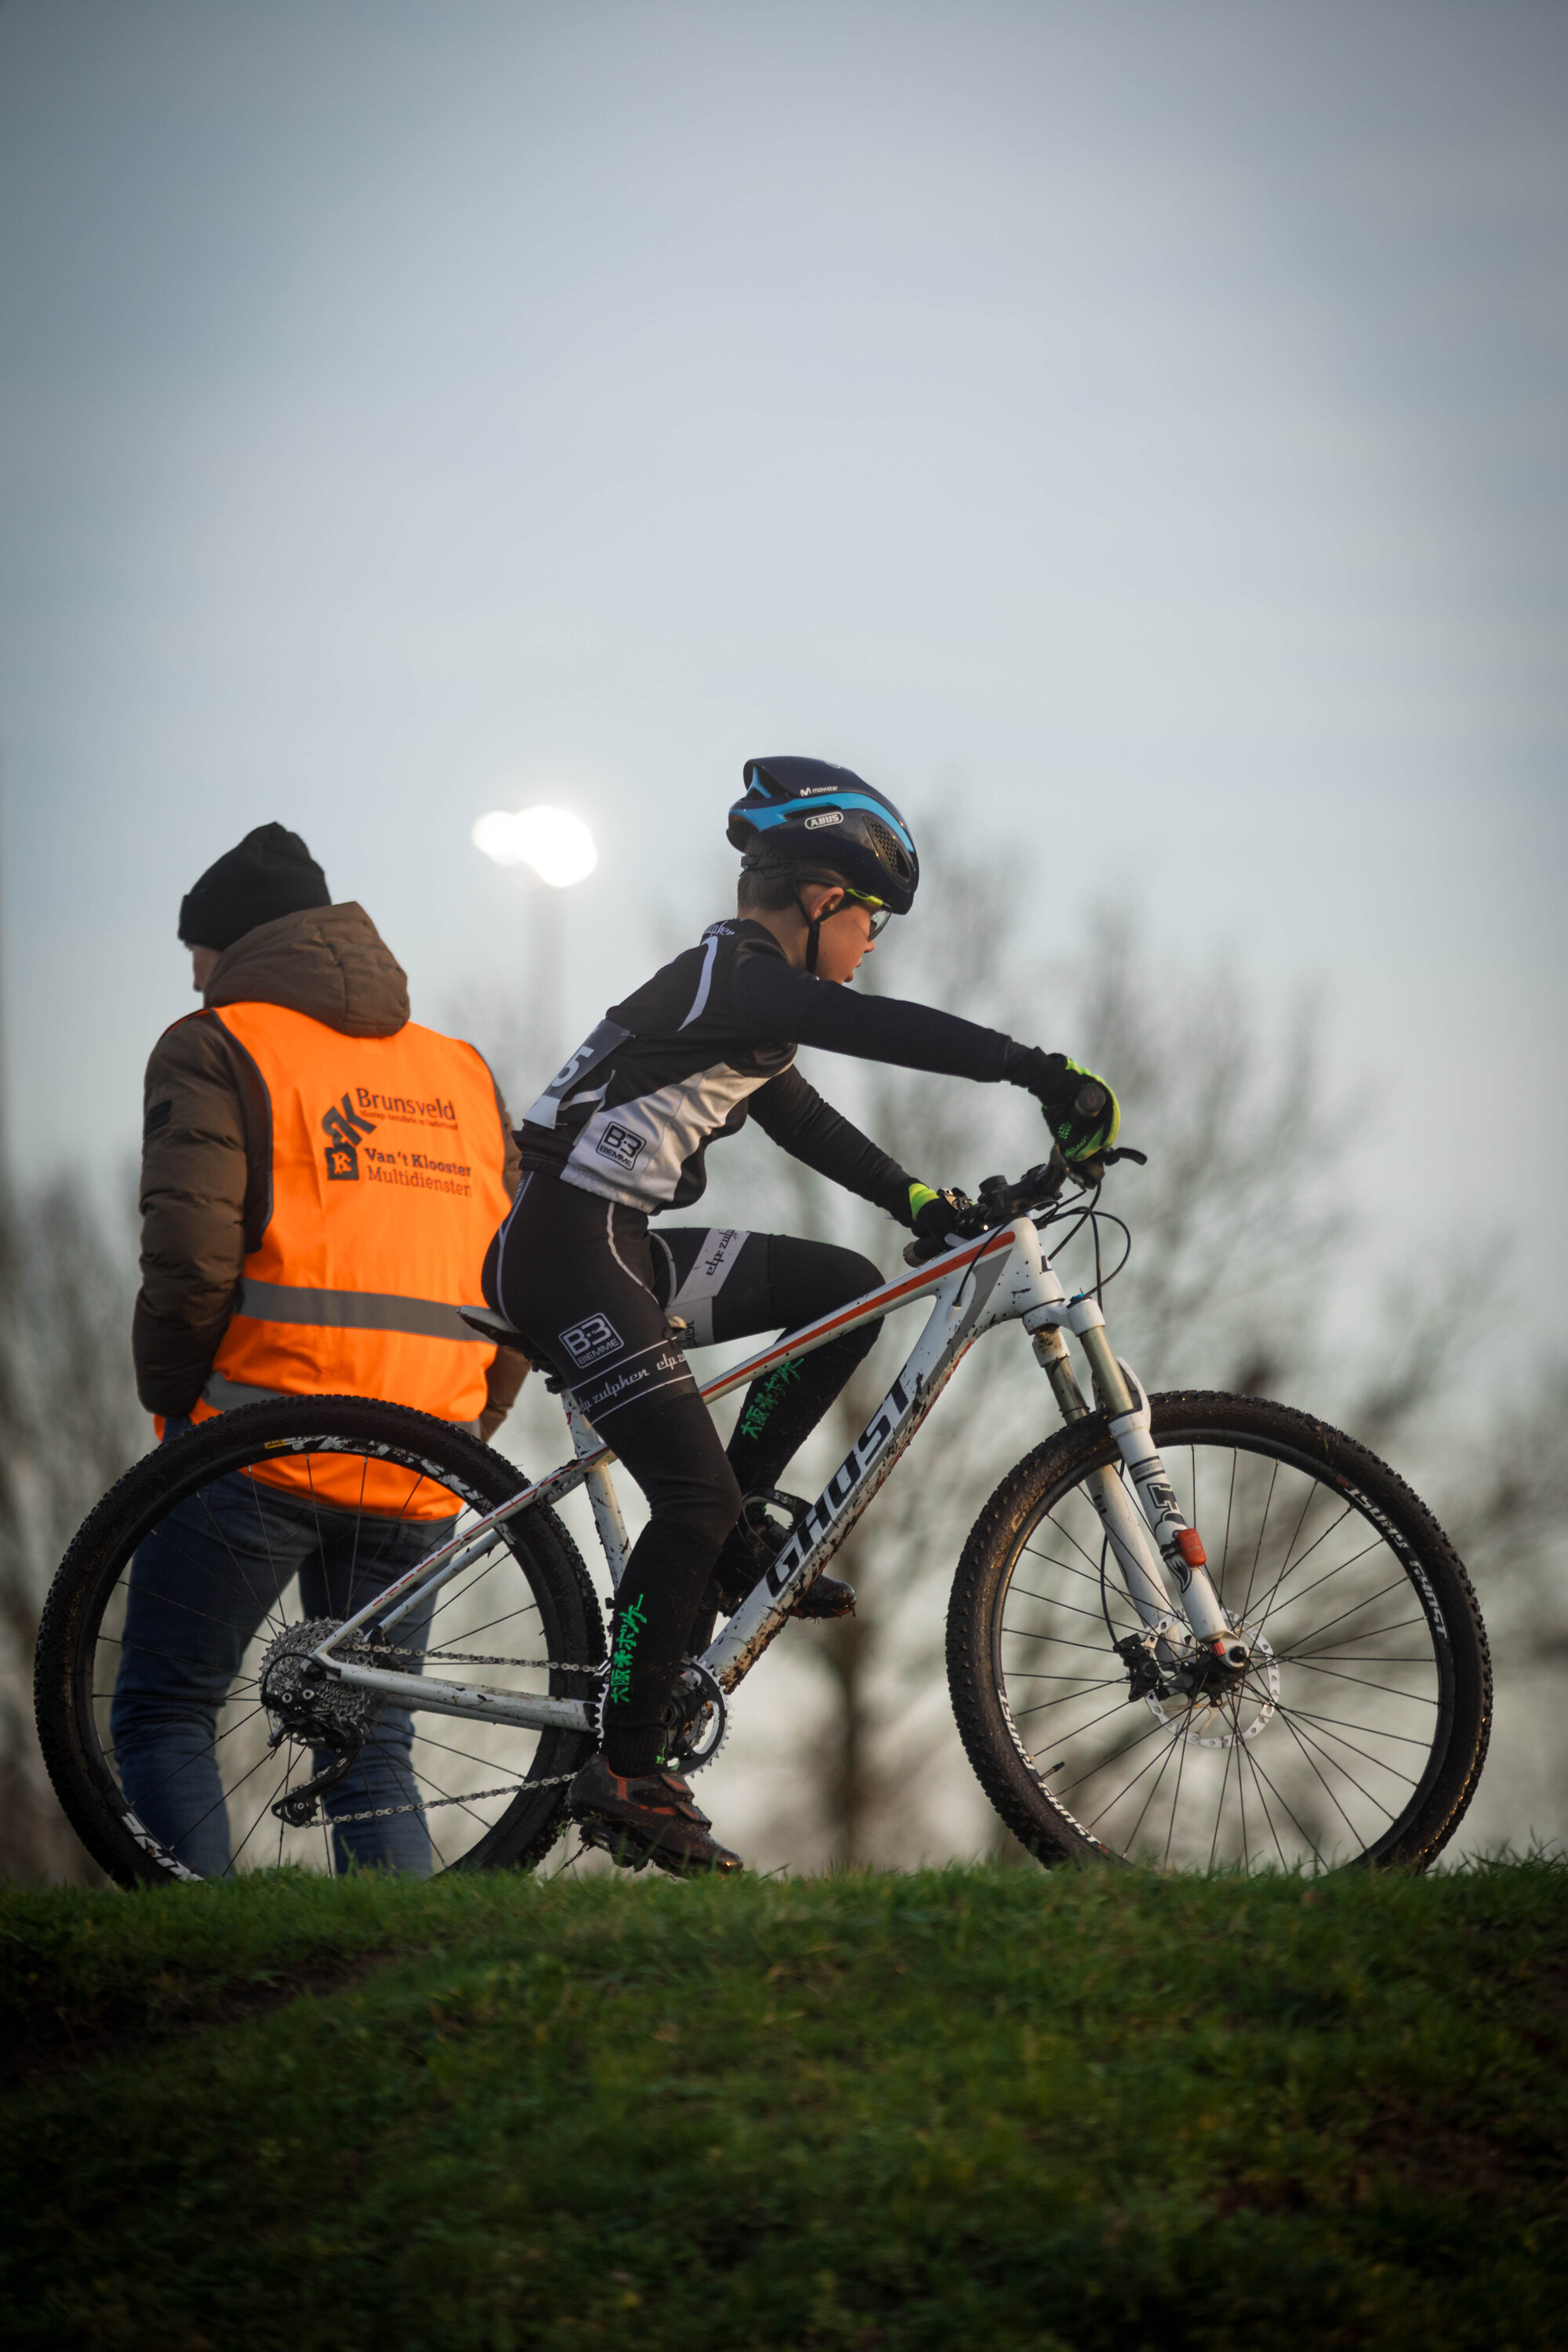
[{"x": 1212, "y": 1717}]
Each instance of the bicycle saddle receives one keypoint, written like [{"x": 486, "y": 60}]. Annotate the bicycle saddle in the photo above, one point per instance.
[{"x": 491, "y": 1326}]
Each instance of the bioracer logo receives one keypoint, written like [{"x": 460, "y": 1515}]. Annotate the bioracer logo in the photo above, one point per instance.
[
  {"x": 592, "y": 1338},
  {"x": 828, "y": 817},
  {"x": 620, "y": 1144}
]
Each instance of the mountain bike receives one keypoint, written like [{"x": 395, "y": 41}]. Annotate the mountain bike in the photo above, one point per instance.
[{"x": 1187, "y": 1631}]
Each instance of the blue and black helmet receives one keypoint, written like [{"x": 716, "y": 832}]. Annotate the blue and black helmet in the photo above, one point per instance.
[{"x": 805, "y": 813}]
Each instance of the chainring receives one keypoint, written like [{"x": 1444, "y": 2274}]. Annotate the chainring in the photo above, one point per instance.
[{"x": 698, "y": 1720}]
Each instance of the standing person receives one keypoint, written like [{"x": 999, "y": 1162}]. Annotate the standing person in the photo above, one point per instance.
[
  {"x": 320, "y": 1176},
  {"x": 620, "y": 1135}
]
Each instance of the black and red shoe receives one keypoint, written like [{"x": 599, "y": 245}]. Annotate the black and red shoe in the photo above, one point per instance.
[
  {"x": 756, "y": 1540},
  {"x": 648, "y": 1817}
]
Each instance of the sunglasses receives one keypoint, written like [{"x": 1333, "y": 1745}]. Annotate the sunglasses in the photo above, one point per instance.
[{"x": 880, "y": 913}]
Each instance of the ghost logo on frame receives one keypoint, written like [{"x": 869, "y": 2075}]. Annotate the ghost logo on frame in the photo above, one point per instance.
[{"x": 343, "y": 1127}]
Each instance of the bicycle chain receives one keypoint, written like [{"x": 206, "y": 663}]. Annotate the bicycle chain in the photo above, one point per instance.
[
  {"x": 428, "y": 1804},
  {"x": 377, "y": 1651}
]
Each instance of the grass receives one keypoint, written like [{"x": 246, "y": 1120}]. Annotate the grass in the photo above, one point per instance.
[{"x": 970, "y": 2109}]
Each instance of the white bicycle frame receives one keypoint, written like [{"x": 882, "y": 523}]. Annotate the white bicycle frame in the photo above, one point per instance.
[{"x": 1002, "y": 1277}]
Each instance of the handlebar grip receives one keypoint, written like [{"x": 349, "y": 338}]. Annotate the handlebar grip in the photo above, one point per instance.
[{"x": 1089, "y": 1100}]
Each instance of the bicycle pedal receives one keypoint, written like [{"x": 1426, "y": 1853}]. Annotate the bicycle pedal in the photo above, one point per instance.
[{"x": 614, "y": 1839}]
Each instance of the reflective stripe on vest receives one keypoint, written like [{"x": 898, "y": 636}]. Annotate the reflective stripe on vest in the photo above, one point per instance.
[
  {"x": 355, "y": 1310},
  {"x": 386, "y": 1186}
]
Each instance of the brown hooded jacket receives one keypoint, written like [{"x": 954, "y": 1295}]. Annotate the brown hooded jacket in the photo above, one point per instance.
[{"x": 206, "y": 1150}]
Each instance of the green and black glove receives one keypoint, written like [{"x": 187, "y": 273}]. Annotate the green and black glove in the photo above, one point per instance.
[
  {"x": 1080, "y": 1109},
  {"x": 935, "y": 1216}
]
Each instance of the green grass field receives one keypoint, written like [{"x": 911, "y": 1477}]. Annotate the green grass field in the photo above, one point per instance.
[{"x": 981, "y": 2108}]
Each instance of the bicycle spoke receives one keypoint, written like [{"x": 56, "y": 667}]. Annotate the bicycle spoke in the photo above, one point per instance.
[
  {"x": 1289, "y": 1568},
  {"x": 1219, "y": 1809},
  {"x": 1305, "y": 1835},
  {"x": 1335, "y": 1722},
  {"x": 1308, "y": 1747},
  {"x": 1162, "y": 1756},
  {"x": 1105, "y": 1683},
  {"x": 1072, "y": 1607},
  {"x": 1307, "y": 1589},
  {"x": 1164, "y": 1763},
  {"x": 1257, "y": 1547},
  {"x": 1104, "y": 1763},
  {"x": 1066, "y": 1567},
  {"x": 1250, "y": 1763},
  {"x": 1397, "y": 1585},
  {"x": 1175, "y": 1800},
  {"x": 1390, "y": 1690},
  {"x": 1097, "y": 1649},
  {"x": 528, "y": 1609},
  {"x": 1293, "y": 1715}
]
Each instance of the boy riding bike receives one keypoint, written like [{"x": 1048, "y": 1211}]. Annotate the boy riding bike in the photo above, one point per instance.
[{"x": 619, "y": 1136}]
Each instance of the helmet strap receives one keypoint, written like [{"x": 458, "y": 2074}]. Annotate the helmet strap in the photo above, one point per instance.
[{"x": 813, "y": 931}]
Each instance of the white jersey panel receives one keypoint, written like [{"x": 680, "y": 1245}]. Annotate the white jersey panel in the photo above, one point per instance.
[{"x": 635, "y": 1152}]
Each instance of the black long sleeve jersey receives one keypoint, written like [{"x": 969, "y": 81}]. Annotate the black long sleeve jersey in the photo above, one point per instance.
[{"x": 711, "y": 1037}]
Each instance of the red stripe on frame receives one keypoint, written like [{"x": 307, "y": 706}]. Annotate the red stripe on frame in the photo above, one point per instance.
[{"x": 877, "y": 1302}]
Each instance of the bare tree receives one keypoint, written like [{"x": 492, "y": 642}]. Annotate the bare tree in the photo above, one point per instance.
[{"x": 69, "y": 1425}]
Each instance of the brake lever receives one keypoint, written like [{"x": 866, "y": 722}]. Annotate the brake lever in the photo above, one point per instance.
[{"x": 1089, "y": 1174}]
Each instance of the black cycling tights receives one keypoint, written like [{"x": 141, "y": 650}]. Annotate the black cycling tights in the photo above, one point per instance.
[{"x": 592, "y": 1292}]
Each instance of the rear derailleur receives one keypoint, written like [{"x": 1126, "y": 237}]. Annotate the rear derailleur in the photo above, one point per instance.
[{"x": 305, "y": 1701}]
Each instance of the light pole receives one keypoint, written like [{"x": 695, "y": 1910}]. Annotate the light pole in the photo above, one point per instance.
[{"x": 552, "y": 849}]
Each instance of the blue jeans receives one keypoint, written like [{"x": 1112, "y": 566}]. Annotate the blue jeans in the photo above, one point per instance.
[{"x": 201, "y": 1586}]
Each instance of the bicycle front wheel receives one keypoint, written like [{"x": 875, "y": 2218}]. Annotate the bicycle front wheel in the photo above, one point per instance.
[
  {"x": 176, "y": 1710},
  {"x": 1357, "y": 1733}
]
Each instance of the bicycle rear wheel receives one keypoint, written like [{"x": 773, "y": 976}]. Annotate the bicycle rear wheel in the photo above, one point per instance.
[
  {"x": 1357, "y": 1734},
  {"x": 219, "y": 1560}
]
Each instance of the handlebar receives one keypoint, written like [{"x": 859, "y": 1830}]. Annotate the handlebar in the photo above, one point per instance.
[{"x": 998, "y": 1203}]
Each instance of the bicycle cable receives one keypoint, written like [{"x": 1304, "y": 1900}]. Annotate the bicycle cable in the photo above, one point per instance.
[{"x": 1091, "y": 1216}]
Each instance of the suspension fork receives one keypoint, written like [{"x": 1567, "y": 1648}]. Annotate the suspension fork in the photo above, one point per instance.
[
  {"x": 1179, "y": 1548},
  {"x": 1125, "y": 1531}
]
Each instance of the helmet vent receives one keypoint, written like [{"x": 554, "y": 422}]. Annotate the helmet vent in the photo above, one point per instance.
[{"x": 886, "y": 844}]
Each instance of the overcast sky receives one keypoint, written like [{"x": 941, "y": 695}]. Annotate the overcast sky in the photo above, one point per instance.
[{"x": 1141, "y": 424}]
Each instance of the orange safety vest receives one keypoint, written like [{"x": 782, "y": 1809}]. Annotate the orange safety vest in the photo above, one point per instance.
[{"x": 387, "y": 1187}]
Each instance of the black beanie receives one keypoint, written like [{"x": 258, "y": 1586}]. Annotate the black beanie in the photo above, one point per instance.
[{"x": 270, "y": 874}]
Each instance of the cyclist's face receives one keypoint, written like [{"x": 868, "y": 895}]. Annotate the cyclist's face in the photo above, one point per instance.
[{"x": 845, "y": 937}]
